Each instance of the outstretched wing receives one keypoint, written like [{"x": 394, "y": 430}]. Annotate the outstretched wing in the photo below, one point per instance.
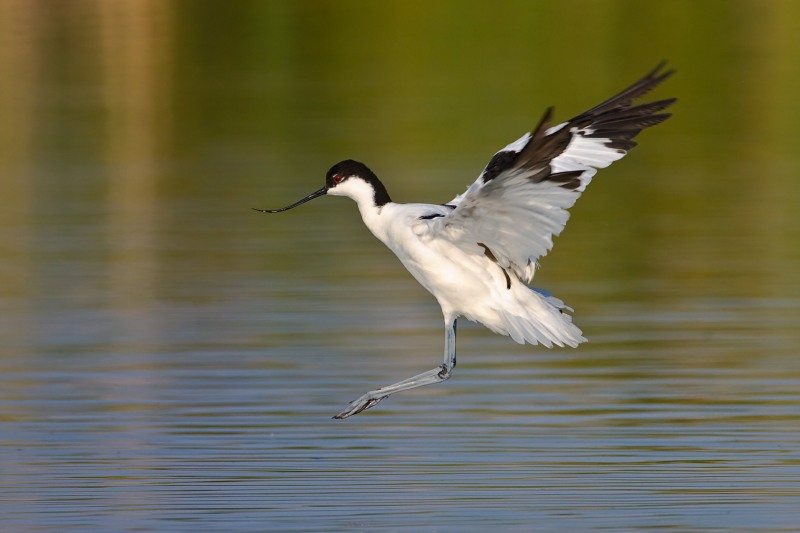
[{"x": 520, "y": 200}]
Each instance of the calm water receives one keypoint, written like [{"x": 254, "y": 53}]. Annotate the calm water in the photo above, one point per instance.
[{"x": 170, "y": 360}]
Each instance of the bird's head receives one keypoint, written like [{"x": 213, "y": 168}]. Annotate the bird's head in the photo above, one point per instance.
[{"x": 347, "y": 178}]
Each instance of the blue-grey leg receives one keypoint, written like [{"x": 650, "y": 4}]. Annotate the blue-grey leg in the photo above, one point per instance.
[{"x": 435, "y": 375}]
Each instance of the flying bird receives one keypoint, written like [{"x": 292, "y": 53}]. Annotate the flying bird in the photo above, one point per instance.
[{"x": 478, "y": 253}]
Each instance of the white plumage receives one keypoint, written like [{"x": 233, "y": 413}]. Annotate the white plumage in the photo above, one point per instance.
[{"x": 477, "y": 253}]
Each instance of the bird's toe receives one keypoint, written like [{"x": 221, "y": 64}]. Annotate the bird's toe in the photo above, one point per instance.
[{"x": 361, "y": 404}]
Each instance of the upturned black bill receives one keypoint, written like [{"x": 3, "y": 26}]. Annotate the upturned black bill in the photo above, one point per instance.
[{"x": 308, "y": 198}]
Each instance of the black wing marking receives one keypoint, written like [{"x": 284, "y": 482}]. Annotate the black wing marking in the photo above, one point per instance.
[{"x": 614, "y": 119}]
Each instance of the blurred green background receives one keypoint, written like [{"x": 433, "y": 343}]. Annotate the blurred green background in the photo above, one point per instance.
[{"x": 134, "y": 129}]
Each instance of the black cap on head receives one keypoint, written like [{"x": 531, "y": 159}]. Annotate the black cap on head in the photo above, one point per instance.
[{"x": 349, "y": 168}]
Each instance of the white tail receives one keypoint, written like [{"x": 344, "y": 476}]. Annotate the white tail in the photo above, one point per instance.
[{"x": 539, "y": 318}]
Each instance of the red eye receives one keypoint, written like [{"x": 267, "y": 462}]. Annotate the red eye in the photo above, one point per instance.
[{"x": 337, "y": 178}]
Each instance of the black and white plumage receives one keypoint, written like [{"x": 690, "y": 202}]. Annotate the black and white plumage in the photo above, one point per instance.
[{"x": 477, "y": 253}]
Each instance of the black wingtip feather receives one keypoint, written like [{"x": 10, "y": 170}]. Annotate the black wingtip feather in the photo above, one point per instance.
[
  {"x": 624, "y": 98},
  {"x": 639, "y": 110},
  {"x": 543, "y": 124},
  {"x": 628, "y": 123}
]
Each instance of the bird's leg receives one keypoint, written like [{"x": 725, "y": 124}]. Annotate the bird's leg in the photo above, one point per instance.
[{"x": 435, "y": 375}]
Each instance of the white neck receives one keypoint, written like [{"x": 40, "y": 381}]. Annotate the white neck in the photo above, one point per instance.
[{"x": 364, "y": 196}]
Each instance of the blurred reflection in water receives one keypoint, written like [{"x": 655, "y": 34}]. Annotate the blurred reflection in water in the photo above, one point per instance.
[{"x": 168, "y": 356}]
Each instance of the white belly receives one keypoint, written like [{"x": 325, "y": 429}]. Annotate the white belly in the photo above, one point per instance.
[{"x": 467, "y": 283}]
